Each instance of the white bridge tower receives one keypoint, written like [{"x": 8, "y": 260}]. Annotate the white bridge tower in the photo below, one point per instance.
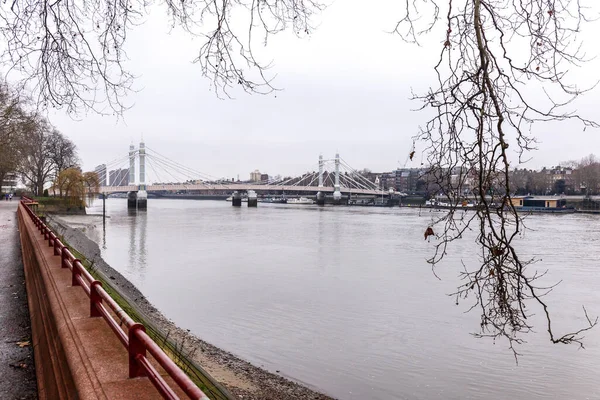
[
  {"x": 137, "y": 199},
  {"x": 320, "y": 194},
  {"x": 337, "y": 194},
  {"x": 142, "y": 195}
]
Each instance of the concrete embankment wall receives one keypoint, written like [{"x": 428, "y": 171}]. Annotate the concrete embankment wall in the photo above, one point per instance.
[
  {"x": 76, "y": 356},
  {"x": 53, "y": 374}
]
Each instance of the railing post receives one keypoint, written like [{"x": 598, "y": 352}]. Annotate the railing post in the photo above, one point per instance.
[
  {"x": 75, "y": 272},
  {"x": 57, "y": 250},
  {"x": 51, "y": 239},
  {"x": 95, "y": 299},
  {"x": 46, "y": 232},
  {"x": 63, "y": 257},
  {"x": 136, "y": 349}
]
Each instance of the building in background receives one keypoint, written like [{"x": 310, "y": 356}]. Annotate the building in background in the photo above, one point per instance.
[
  {"x": 405, "y": 180},
  {"x": 119, "y": 177},
  {"x": 387, "y": 180},
  {"x": 100, "y": 170},
  {"x": 9, "y": 184},
  {"x": 560, "y": 180},
  {"x": 255, "y": 176}
]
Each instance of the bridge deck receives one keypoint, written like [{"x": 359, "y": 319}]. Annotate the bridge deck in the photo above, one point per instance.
[{"x": 240, "y": 187}]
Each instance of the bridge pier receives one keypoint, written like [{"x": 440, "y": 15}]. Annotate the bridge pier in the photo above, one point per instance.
[
  {"x": 132, "y": 200},
  {"x": 320, "y": 198},
  {"x": 252, "y": 199},
  {"x": 142, "y": 200},
  {"x": 236, "y": 199}
]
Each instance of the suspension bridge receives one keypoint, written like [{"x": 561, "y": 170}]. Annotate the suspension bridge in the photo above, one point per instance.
[{"x": 333, "y": 176}]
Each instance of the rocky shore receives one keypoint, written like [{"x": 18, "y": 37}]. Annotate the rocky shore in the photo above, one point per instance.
[{"x": 242, "y": 379}]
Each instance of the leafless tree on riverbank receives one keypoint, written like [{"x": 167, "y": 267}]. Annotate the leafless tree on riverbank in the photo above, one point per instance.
[
  {"x": 62, "y": 151},
  {"x": 12, "y": 120},
  {"x": 494, "y": 56},
  {"x": 44, "y": 154},
  {"x": 35, "y": 165}
]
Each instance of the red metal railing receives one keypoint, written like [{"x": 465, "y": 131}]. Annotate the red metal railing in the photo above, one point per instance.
[{"x": 135, "y": 340}]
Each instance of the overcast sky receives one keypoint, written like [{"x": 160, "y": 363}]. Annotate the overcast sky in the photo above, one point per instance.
[{"x": 345, "y": 88}]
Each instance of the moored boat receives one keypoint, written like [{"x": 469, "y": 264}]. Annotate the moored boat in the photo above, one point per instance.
[
  {"x": 301, "y": 200},
  {"x": 274, "y": 200},
  {"x": 541, "y": 204}
]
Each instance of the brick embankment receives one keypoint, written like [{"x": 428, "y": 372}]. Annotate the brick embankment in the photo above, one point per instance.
[{"x": 17, "y": 370}]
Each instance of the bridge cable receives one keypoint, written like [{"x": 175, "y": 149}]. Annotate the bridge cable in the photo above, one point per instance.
[
  {"x": 188, "y": 173},
  {"x": 354, "y": 172},
  {"x": 158, "y": 161},
  {"x": 121, "y": 167},
  {"x": 151, "y": 164},
  {"x": 183, "y": 167},
  {"x": 117, "y": 161},
  {"x": 370, "y": 185},
  {"x": 173, "y": 171},
  {"x": 349, "y": 178}
]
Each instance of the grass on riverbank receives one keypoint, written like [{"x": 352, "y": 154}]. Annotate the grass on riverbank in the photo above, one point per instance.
[{"x": 64, "y": 205}]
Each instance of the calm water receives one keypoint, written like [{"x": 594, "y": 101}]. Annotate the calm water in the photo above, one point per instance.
[{"x": 342, "y": 299}]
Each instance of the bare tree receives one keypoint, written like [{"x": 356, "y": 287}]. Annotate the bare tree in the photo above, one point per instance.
[
  {"x": 588, "y": 172},
  {"x": 62, "y": 151},
  {"x": 72, "y": 54},
  {"x": 12, "y": 118},
  {"x": 45, "y": 153},
  {"x": 9, "y": 156},
  {"x": 36, "y": 167},
  {"x": 490, "y": 52}
]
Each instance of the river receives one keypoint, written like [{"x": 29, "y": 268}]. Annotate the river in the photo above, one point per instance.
[{"x": 342, "y": 299}]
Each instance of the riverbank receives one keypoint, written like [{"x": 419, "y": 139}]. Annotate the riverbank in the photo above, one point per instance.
[
  {"x": 57, "y": 205},
  {"x": 239, "y": 377}
]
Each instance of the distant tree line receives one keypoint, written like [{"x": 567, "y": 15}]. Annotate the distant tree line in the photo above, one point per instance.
[
  {"x": 573, "y": 177},
  {"x": 580, "y": 177},
  {"x": 35, "y": 150}
]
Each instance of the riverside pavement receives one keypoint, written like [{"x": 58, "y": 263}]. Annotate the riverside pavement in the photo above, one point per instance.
[{"x": 17, "y": 370}]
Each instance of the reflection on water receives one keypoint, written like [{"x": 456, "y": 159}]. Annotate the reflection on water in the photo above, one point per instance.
[
  {"x": 137, "y": 223},
  {"x": 341, "y": 297},
  {"x": 142, "y": 221},
  {"x": 104, "y": 233}
]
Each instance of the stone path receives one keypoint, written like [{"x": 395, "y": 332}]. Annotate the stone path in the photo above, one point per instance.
[{"x": 17, "y": 370}]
